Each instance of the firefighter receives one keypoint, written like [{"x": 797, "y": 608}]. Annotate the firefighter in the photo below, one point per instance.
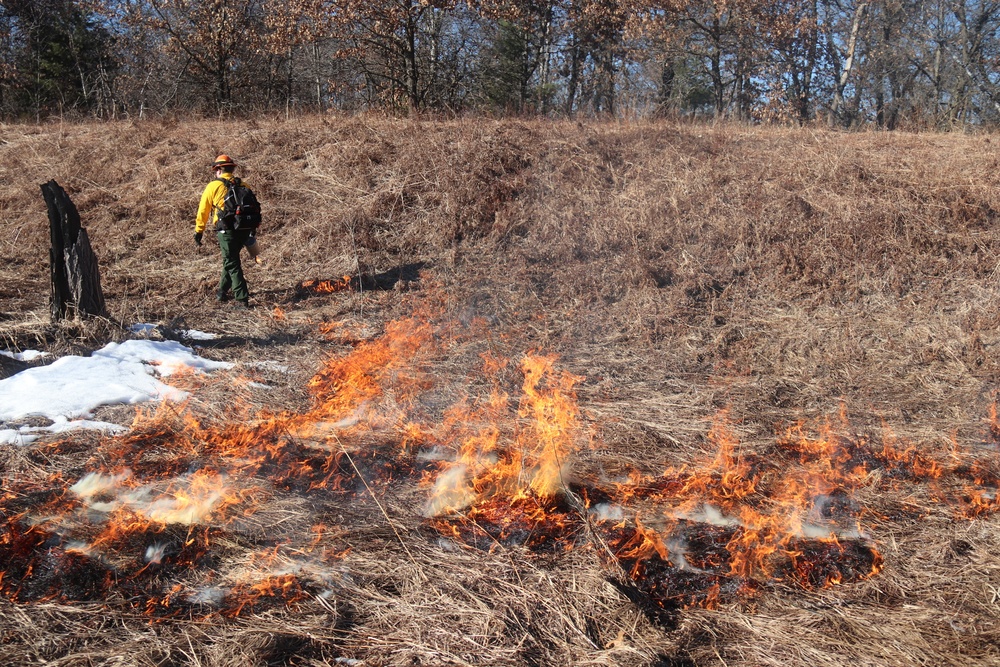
[{"x": 231, "y": 241}]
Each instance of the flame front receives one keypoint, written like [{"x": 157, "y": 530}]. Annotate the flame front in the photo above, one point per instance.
[{"x": 157, "y": 507}]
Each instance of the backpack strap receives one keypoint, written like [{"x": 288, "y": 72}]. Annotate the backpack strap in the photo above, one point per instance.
[
  {"x": 230, "y": 183},
  {"x": 218, "y": 211}
]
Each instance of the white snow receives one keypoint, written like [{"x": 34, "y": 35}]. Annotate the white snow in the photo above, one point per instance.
[
  {"x": 194, "y": 334},
  {"x": 27, "y": 355},
  {"x": 28, "y": 434},
  {"x": 143, "y": 328},
  {"x": 69, "y": 389},
  {"x": 146, "y": 328}
]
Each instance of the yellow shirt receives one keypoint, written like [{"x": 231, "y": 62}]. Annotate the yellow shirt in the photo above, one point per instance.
[{"x": 212, "y": 200}]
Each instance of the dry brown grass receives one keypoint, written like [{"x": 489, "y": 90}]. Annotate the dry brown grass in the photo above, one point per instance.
[{"x": 784, "y": 275}]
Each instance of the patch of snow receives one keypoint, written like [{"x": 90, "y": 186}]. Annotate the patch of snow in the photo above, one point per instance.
[
  {"x": 27, "y": 355},
  {"x": 10, "y": 436},
  {"x": 167, "y": 356},
  {"x": 194, "y": 334},
  {"x": 70, "y": 388},
  {"x": 143, "y": 329}
]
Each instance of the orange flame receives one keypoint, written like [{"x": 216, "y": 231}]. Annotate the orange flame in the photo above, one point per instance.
[
  {"x": 500, "y": 464},
  {"x": 538, "y": 460},
  {"x": 326, "y": 286}
]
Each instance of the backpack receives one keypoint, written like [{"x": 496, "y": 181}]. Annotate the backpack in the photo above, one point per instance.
[{"x": 240, "y": 208}]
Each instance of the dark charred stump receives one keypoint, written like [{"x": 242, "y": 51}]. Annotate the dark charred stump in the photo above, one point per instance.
[{"x": 76, "y": 280}]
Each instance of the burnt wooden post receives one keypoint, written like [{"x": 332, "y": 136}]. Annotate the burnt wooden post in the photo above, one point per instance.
[{"x": 76, "y": 280}]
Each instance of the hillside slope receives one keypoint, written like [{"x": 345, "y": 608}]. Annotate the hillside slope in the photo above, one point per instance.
[
  {"x": 788, "y": 282},
  {"x": 828, "y": 266}
]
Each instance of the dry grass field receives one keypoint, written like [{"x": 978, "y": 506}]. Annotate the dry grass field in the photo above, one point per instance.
[{"x": 533, "y": 393}]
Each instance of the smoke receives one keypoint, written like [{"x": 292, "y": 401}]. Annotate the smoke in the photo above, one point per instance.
[
  {"x": 677, "y": 548},
  {"x": 182, "y": 508},
  {"x": 607, "y": 512},
  {"x": 213, "y": 595},
  {"x": 186, "y": 500},
  {"x": 77, "y": 547},
  {"x": 820, "y": 525},
  {"x": 323, "y": 430},
  {"x": 451, "y": 492},
  {"x": 711, "y": 515},
  {"x": 155, "y": 553},
  {"x": 823, "y": 518},
  {"x": 95, "y": 483}
]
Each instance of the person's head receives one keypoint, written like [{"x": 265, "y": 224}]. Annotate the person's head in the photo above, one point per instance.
[{"x": 223, "y": 165}]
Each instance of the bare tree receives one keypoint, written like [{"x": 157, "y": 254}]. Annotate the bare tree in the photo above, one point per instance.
[{"x": 214, "y": 46}]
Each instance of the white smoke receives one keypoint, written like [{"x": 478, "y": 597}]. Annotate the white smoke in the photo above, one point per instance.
[
  {"x": 155, "y": 553},
  {"x": 451, "y": 492},
  {"x": 606, "y": 512},
  {"x": 95, "y": 483},
  {"x": 185, "y": 500}
]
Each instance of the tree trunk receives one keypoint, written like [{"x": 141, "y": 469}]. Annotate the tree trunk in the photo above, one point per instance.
[
  {"x": 574, "y": 76},
  {"x": 665, "y": 94},
  {"x": 76, "y": 280},
  {"x": 838, "y": 96},
  {"x": 410, "y": 64},
  {"x": 718, "y": 85}
]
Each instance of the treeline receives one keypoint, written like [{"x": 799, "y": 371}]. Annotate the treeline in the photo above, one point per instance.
[{"x": 888, "y": 63}]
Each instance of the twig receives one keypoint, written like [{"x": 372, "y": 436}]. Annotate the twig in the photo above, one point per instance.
[{"x": 399, "y": 537}]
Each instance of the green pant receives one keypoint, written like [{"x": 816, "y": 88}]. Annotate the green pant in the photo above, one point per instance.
[{"x": 231, "y": 243}]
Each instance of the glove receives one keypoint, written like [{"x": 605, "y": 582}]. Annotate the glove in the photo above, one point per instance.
[{"x": 197, "y": 238}]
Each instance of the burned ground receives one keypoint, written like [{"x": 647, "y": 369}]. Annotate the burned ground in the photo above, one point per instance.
[{"x": 740, "y": 320}]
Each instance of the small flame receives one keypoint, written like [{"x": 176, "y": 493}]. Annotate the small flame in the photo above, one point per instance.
[
  {"x": 326, "y": 286},
  {"x": 550, "y": 402}
]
